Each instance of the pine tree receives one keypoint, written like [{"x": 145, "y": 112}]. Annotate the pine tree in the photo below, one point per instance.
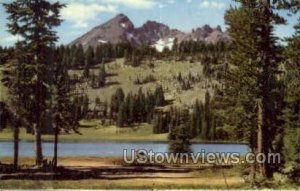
[
  {"x": 61, "y": 104},
  {"x": 121, "y": 115},
  {"x": 85, "y": 107},
  {"x": 79, "y": 56},
  {"x": 93, "y": 80},
  {"x": 157, "y": 123},
  {"x": 196, "y": 119},
  {"x": 253, "y": 82},
  {"x": 98, "y": 55},
  {"x": 159, "y": 96},
  {"x": 7, "y": 116},
  {"x": 207, "y": 117},
  {"x": 102, "y": 76},
  {"x": 38, "y": 37},
  {"x": 116, "y": 100},
  {"x": 179, "y": 139},
  {"x": 15, "y": 113},
  {"x": 89, "y": 61},
  {"x": 292, "y": 99}
]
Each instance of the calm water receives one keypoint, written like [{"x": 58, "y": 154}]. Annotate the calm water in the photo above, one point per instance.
[{"x": 111, "y": 148}]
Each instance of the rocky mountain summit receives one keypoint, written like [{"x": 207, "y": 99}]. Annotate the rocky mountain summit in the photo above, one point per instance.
[{"x": 121, "y": 29}]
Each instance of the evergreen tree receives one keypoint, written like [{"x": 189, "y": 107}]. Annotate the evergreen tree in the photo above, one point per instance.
[
  {"x": 98, "y": 55},
  {"x": 159, "y": 96},
  {"x": 292, "y": 99},
  {"x": 38, "y": 37},
  {"x": 79, "y": 56},
  {"x": 85, "y": 107},
  {"x": 179, "y": 139},
  {"x": 157, "y": 124},
  {"x": 102, "y": 76},
  {"x": 197, "y": 119},
  {"x": 116, "y": 100},
  {"x": 93, "y": 80},
  {"x": 89, "y": 61},
  {"x": 253, "y": 83},
  {"x": 121, "y": 115},
  {"x": 207, "y": 116},
  {"x": 61, "y": 104}
]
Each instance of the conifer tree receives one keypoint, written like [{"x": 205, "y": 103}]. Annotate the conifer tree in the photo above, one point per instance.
[
  {"x": 179, "y": 139},
  {"x": 79, "y": 56},
  {"x": 207, "y": 116},
  {"x": 89, "y": 61},
  {"x": 159, "y": 96},
  {"x": 61, "y": 104},
  {"x": 253, "y": 83},
  {"x": 38, "y": 37},
  {"x": 121, "y": 115},
  {"x": 98, "y": 55},
  {"x": 292, "y": 108},
  {"x": 102, "y": 76}
]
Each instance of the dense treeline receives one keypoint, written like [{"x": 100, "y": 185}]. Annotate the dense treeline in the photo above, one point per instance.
[
  {"x": 130, "y": 109},
  {"x": 75, "y": 56}
]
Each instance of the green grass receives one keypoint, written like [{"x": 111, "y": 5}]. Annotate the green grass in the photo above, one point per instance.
[
  {"x": 96, "y": 133},
  {"x": 93, "y": 131},
  {"x": 164, "y": 72}
]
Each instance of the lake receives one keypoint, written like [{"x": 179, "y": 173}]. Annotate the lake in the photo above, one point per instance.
[{"x": 111, "y": 148}]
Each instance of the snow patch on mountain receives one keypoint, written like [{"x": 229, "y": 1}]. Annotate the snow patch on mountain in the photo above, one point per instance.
[
  {"x": 123, "y": 25},
  {"x": 102, "y": 41},
  {"x": 161, "y": 44}
]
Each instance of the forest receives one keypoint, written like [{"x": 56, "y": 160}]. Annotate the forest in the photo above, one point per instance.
[{"x": 244, "y": 91}]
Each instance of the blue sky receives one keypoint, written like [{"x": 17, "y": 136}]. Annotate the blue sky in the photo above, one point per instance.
[{"x": 82, "y": 15}]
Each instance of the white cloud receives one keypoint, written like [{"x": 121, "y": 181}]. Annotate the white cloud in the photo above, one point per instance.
[
  {"x": 80, "y": 14},
  {"x": 212, "y": 5},
  {"x": 137, "y": 4},
  {"x": 10, "y": 39},
  {"x": 188, "y": 1}
]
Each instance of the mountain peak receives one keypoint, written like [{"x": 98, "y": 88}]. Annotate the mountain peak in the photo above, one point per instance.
[
  {"x": 219, "y": 28},
  {"x": 122, "y": 17},
  {"x": 121, "y": 29}
]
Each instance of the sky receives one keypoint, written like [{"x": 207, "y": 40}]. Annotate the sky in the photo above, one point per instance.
[{"x": 80, "y": 16}]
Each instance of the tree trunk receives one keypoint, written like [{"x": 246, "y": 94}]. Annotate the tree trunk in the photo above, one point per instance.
[
  {"x": 253, "y": 170},
  {"x": 38, "y": 145},
  {"x": 16, "y": 146},
  {"x": 267, "y": 87},
  {"x": 260, "y": 141},
  {"x": 55, "y": 147}
]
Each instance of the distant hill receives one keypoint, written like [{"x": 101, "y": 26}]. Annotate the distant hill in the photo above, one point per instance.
[{"x": 121, "y": 29}]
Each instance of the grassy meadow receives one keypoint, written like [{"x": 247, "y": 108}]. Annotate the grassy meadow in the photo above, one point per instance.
[
  {"x": 165, "y": 73},
  {"x": 95, "y": 133}
]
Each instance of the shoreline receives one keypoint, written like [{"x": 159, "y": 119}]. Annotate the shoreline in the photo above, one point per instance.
[{"x": 125, "y": 141}]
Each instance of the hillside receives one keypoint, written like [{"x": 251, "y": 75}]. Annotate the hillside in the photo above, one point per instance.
[{"x": 165, "y": 73}]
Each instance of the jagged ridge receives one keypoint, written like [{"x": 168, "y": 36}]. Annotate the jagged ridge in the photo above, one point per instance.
[{"x": 121, "y": 29}]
